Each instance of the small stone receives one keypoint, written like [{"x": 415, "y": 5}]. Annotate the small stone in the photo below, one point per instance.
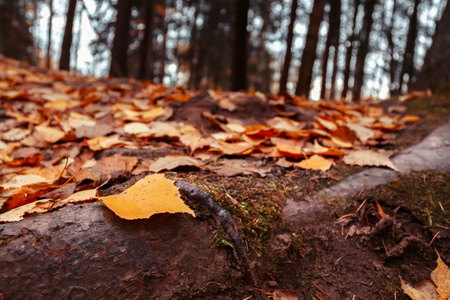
[{"x": 272, "y": 283}]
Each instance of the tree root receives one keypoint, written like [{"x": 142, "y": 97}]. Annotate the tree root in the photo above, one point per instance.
[{"x": 230, "y": 225}]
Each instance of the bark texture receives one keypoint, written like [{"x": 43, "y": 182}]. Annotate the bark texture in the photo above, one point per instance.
[
  {"x": 87, "y": 252},
  {"x": 239, "y": 80}
]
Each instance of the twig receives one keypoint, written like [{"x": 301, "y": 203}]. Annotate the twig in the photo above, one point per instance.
[
  {"x": 432, "y": 240},
  {"x": 230, "y": 225}
]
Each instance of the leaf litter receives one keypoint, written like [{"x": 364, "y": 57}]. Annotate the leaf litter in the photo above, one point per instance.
[{"x": 74, "y": 120}]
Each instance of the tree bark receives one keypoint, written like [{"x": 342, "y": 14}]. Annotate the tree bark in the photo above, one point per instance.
[
  {"x": 436, "y": 68},
  {"x": 87, "y": 252},
  {"x": 363, "y": 49},
  {"x": 49, "y": 34},
  {"x": 288, "y": 56},
  {"x": 309, "y": 52},
  {"x": 408, "y": 60},
  {"x": 64, "y": 61},
  {"x": 332, "y": 41},
  {"x": 118, "y": 67},
  {"x": 239, "y": 73},
  {"x": 147, "y": 42}
]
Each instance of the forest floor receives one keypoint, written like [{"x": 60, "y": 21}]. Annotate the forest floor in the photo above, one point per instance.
[{"x": 301, "y": 242}]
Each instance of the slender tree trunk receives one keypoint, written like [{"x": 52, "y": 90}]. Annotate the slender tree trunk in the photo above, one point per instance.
[
  {"x": 332, "y": 41},
  {"x": 64, "y": 61},
  {"x": 193, "y": 53},
  {"x": 118, "y": 66},
  {"x": 348, "y": 54},
  {"x": 49, "y": 44},
  {"x": 309, "y": 52},
  {"x": 239, "y": 73},
  {"x": 288, "y": 56},
  {"x": 147, "y": 42},
  {"x": 363, "y": 49},
  {"x": 393, "y": 87},
  {"x": 408, "y": 61},
  {"x": 162, "y": 70}
]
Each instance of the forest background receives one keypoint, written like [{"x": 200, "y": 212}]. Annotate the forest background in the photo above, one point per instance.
[{"x": 336, "y": 49}]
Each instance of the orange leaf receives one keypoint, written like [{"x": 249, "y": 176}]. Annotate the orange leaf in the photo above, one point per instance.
[
  {"x": 151, "y": 195},
  {"x": 380, "y": 210}
]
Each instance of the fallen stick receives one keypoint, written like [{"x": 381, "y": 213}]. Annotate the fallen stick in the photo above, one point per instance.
[{"x": 229, "y": 224}]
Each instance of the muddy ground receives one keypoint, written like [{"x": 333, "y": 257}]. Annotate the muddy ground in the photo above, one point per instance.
[{"x": 338, "y": 248}]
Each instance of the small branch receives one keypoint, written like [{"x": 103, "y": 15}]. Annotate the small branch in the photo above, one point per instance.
[{"x": 229, "y": 224}]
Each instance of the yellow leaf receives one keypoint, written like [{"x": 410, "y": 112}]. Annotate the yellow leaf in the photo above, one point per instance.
[
  {"x": 441, "y": 277},
  {"x": 315, "y": 162},
  {"x": 151, "y": 195}
]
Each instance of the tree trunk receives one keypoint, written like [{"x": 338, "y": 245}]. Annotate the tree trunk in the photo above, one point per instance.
[
  {"x": 239, "y": 73},
  {"x": 87, "y": 252},
  {"x": 393, "y": 85},
  {"x": 49, "y": 44},
  {"x": 332, "y": 41},
  {"x": 288, "y": 56},
  {"x": 348, "y": 55},
  {"x": 193, "y": 53},
  {"x": 408, "y": 60},
  {"x": 162, "y": 69},
  {"x": 435, "y": 71},
  {"x": 147, "y": 42},
  {"x": 64, "y": 61},
  {"x": 309, "y": 52},
  {"x": 363, "y": 49},
  {"x": 118, "y": 66}
]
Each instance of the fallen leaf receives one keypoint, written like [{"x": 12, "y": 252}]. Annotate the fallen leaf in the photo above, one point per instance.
[
  {"x": 441, "y": 277},
  {"x": 423, "y": 291},
  {"x": 172, "y": 161},
  {"x": 368, "y": 158},
  {"x": 151, "y": 195},
  {"x": 315, "y": 162}
]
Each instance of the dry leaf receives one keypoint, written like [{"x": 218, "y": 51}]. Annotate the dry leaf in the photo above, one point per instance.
[
  {"x": 441, "y": 277},
  {"x": 423, "y": 291},
  {"x": 368, "y": 158},
  {"x": 315, "y": 162},
  {"x": 172, "y": 161},
  {"x": 151, "y": 195}
]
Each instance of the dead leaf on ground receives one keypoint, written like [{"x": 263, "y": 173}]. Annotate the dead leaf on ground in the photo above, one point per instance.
[
  {"x": 369, "y": 158},
  {"x": 151, "y": 195}
]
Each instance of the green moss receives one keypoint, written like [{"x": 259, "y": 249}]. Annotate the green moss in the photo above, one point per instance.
[{"x": 425, "y": 194}]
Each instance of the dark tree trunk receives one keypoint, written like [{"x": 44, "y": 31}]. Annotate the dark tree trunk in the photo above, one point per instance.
[
  {"x": 147, "y": 42},
  {"x": 309, "y": 52},
  {"x": 363, "y": 49},
  {"x": 162, "y": 60},
  {"x": 239, "y": 72},
  {"x": 393, "y": 84},
  {"x": 193, "y": 54},
  {"x": 332, "y": 41},
  {"x": 49, "y": 44},
  {"x": 118, "y": 66},
  {"x": 288, "y": 57},
  {"x": 64, "y": 61},
  {"x": 408, "y": 60},
  {"x": 348, "y": 54},
  {"x": 436, "y": 68}
]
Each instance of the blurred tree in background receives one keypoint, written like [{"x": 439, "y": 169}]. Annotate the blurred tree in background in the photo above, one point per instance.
[{"x": 349, "y": 49}]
